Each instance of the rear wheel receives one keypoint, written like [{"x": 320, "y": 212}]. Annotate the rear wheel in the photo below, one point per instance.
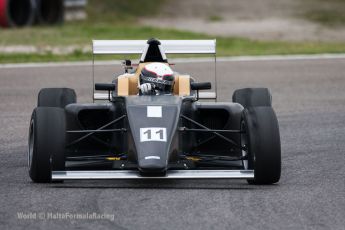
[
  {"x": 46, "y": 143},
  {"x": 262, "y": 141},
  {"x": 56, "y": 97},
  {"x": 250, "y": 97}
]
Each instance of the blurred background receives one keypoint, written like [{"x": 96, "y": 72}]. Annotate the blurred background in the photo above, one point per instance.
[{"x": 62, "y": 30}]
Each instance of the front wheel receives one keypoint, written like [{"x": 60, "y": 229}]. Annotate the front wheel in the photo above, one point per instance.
[
  {"x": 262, "y": 142},
  {"x": 46, "y": 143}
]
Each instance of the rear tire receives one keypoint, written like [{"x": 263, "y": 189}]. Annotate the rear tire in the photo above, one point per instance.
[
  {"x": 56, "y": 97},
  {"x": 263, "y": 144},
  {"x": 250, "y": 97},
  {"x": 46, "y": 143}
]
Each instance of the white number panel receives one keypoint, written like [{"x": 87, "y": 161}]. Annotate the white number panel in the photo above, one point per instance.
[{"x": 153, "y": 134}]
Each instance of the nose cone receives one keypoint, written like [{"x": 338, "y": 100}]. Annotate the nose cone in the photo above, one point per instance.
[{"x": 153, "y": 123}]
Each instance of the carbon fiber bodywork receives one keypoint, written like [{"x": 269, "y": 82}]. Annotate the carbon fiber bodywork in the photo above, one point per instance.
[{"x": 152, "y": 155}]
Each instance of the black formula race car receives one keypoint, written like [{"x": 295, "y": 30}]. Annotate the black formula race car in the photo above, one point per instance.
[{"x": 170, "y": 135}]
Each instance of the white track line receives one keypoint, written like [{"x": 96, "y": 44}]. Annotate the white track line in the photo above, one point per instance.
[{"x": 185, "y": 60}]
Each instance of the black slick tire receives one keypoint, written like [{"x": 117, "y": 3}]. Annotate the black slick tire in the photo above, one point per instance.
[
  {"x": 46, "y": 143},
  {"x": 250, "y": 97},
  {"x": 56, "y": 97},
  {"x": 263, "y": 139}
]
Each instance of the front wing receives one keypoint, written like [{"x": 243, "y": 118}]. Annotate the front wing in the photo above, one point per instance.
[{"x": 170, "y": 174}]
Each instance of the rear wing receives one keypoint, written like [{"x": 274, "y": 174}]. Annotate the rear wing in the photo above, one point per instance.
[
  {"x": 167, "y": 46},
  {"x": 163, "y": 47}
]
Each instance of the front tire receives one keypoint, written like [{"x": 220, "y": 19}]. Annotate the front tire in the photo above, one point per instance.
[
  {"x": 46, "y": 143},
  {"x": 263, "y": 144}
]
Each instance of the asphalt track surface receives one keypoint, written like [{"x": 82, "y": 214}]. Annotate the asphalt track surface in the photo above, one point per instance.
[{"x": 309, "y": 99}]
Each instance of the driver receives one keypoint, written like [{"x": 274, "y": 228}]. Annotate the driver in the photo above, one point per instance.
[{"x": 156, "y": 79}]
